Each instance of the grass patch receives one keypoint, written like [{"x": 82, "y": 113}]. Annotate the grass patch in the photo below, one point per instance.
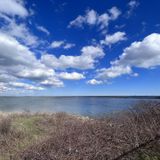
[
  {"x": 28, "y": 124},
  {"x": 19, "y": 131}
]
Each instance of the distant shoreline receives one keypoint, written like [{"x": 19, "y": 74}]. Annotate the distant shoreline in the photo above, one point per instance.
[{"x": 99, "y": 96}]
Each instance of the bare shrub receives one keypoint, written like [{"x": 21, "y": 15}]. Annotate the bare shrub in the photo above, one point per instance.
[
  {"x": 124, "y": 136},
  {"x": 5, "y": 125}
]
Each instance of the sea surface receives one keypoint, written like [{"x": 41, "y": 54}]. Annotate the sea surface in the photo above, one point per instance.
[{"x": 86, "y": 106}]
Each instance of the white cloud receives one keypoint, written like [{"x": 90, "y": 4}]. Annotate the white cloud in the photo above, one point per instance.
[
  {"x": 19, "y": 67},
  {"x": 114, "y": 38},
  {"x": 141, "y": 54},
  {"x": 18, "y": 62},
  {"x": 3, "y": 87},
  {"x": 12, "y": 86},
  {"x": 87, "y": 60},
  {"x": 78, "y": 22},
  {"x": 16, "y": 26},
  {"x": 43, "y": 29},
  {"x": 113, "y": 72},
  {"x": 13, "y": 53},
  {"x": 57, "y": 44},
  {"x": 132, "y": 5},
  {"x": 94, "y": 82},
  {"x": 71, "y": 76},
  {"x": 135, "y": 74},
  {"x": 103, "y": 21},
  {"x": 21, "y": 32},
  {"x": 92, "y": 51},
  {"x": 69, "y": 45},
  {"x": 115, "y": 12},
  {"x": 52, "y": 82},
  {"x": 35, "y": 73},
  {"x": 93, "y": 18},
  {"x": 62, "y": 44},
  {"x": 13, "y": 7},
  {"x": 25, "y": 86}
]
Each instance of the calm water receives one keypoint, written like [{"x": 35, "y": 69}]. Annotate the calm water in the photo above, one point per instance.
[{"x": 76, "y": 105}]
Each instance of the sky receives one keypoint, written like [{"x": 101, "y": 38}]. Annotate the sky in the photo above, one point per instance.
[{"x": 87, "y": 47}]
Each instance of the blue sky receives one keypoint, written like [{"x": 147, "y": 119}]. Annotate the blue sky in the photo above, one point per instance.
[{"x": 61, "y": 48}]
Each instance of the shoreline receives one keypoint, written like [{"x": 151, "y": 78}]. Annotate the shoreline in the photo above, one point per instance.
[
  {"x": 100, "y": 96},
  {"x": 80, "y": 117}
]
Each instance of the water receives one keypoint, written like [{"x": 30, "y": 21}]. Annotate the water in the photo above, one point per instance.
[{"x": 90, "y": 106}]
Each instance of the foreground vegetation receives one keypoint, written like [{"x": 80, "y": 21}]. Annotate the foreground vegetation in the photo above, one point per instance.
[{"x": 134, "y": 134}]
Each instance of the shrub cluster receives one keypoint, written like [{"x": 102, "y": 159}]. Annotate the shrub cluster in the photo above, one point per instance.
[{"x": 133, "y": 134}]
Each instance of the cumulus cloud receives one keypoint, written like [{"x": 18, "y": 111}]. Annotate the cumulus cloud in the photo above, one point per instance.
[
  {"x": 19, "y": 67},
  {"x": 18, "y": 62},
  {"x": 114, "y": 38},
  {"x": 15, "y": 56},
  {"x": 5, "y": 77},
  {"x": 13, "y": 53},
  {"x": 57, "y": 44},
  {"x": 43, "y": 29},
  {"x": 13, "y": 8},
  {"x": 3, "y": 87},
  {"x": 94, "y": 82},
  {"x": 143, "y": 54},
  {"x": 52, "y": 82},
  {"x": 114, "y": 13},
  {"x": 13, "y": 18},
  {"x": 21, "y": 32},
  {"x": 25, "y": 86},
  {"x": 35, "y": 73},
  {"x": 140, "y": 54},
  {"x": 86, "y": 60},
  {"x": 113, "y": 72},
  {"x": 12, "y": 86},
  {"x": 62, "y": 44},
  {"x": 92, "y": 18},
  {"x": 69, "y": 45},
  {"x": 71, "y": 76}
]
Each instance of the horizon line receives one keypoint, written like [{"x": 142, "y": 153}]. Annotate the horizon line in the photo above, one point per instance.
[{"x": 80, "y": 96}]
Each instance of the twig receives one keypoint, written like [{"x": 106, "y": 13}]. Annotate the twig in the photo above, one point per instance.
[{"x": 156, "y": 138}]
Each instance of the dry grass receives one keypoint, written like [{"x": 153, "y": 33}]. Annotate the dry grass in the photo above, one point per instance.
[
  {"x": 131, "y": 135},
  {"x": 5, "y": 125}
]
